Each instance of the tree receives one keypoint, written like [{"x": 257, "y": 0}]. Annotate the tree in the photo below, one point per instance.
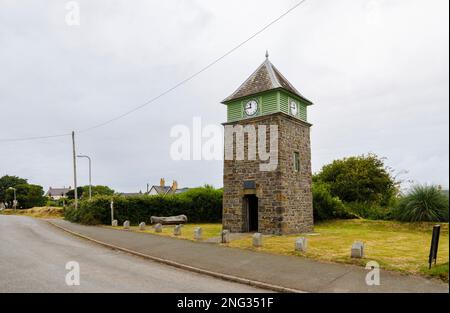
[
  {"x": 8, "y": 182},
  {"x": 71, "y": 193},
  {"x": 27, "y": 195},
  {"x": 98, "y": 190},
  {"x": 362, "y": 179}
]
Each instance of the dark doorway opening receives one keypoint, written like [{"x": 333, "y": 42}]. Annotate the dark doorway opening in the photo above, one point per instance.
[{"x": 251, "y": 204}]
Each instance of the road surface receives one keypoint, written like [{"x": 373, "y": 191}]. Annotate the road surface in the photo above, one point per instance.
[{"x": 33, "y": 257}]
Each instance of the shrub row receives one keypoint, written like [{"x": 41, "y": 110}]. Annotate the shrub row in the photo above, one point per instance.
[{"x": 200, "y": 205}]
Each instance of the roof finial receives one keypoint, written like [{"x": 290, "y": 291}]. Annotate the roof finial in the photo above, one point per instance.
[{"x": 267, "y": 54}]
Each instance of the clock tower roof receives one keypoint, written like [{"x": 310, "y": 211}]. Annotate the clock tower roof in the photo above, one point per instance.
[{"x": 266, "y": 77}]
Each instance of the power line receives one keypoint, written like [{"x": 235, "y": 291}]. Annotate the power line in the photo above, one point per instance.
[
  {"x": 33, "y": 138},
  {"x": 189, "y": 78},
  {"x": 196, "y": 73}
]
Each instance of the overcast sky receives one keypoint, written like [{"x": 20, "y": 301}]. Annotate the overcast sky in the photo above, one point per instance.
[{"x": 376, "y": 70}]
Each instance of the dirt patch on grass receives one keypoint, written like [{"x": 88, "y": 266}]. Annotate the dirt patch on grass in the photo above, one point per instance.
[{"x": 39, "y": 212}]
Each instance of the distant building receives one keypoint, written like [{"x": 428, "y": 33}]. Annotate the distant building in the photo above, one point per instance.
[
  {"x": 162, "y": 189},
  {"x": 57, "y": 193},
  {"x": 131, "y": 194}
]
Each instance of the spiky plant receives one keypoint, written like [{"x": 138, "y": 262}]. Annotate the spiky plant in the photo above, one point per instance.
[{"x": 423, "y": 203}]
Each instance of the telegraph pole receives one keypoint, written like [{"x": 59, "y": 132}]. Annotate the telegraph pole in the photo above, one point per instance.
[{"x": 74, "y": 170}]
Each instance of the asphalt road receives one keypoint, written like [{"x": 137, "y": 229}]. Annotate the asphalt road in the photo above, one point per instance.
[{"x": 33, "y": 257}]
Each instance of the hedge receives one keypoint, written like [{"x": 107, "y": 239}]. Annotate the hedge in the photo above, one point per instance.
[
  {"x": 200, "y": 205},
  {"x": 326, "y": 206}
]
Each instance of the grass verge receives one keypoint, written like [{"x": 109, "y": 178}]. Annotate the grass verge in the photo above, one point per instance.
[
  {"x": 39, "y": 212},
  {"x": 394, "y": 245}
]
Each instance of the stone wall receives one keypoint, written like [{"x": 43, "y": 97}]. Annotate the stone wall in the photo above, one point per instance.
[{"x": 284, "y": 196}]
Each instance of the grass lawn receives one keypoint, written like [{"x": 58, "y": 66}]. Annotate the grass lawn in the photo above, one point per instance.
[
  {"x": 39, "y": 212},
  {"x": 394, "y": 245}
]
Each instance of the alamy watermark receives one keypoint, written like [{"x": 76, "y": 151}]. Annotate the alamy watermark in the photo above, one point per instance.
[
  {"x": 373, "y": 277},
  {"x": 231, "y": 142},
  {"x": 73, "y": 276},
  {"x": 73, "y": 13}
]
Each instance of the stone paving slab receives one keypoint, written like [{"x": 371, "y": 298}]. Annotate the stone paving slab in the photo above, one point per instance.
[{"x": 291, "y": 272}]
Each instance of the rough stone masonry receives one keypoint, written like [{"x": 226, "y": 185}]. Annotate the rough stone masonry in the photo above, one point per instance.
[{"x": 284, "y": 195}]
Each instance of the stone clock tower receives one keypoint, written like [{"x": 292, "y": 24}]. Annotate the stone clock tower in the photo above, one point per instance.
[{"x": 276, "y": 201}]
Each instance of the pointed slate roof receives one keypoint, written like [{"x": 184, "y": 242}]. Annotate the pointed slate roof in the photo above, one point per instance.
[{"x": 266, "y": 77}]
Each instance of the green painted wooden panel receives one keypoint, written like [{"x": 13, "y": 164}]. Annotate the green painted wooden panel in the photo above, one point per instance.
[
  {"x": 284, "y": 106},
  {"x": 268, "y": 103},
  {"x": 234, "y": 111},
  {"x": 302, "y": 112}
]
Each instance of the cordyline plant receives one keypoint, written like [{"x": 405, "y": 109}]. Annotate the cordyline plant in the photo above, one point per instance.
[{"x": 423, "y": 203}]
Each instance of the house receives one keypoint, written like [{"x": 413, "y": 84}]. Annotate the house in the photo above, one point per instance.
[
  {"x": 162, "y": 189},
  {"x": 57, "y": 193}
]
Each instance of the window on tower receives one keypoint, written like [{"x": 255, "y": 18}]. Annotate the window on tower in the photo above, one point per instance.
[{"x": 296, "y": 161}]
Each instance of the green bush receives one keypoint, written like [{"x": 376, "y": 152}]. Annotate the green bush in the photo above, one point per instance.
[
  {"x": 326, "y": 206},
  {"x": 58, "y": 202},
  {"x": 198, "y": 204},
  {"x": 363, "y": 179},
  {"x": 423, "y": 203},
  {"x": 370, "y": 211}
]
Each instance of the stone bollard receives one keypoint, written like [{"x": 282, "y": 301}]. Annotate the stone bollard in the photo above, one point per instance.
[
  {"x": 225, "y": 236},
  {"x": 257, "y": 240},
  {"x": 177, "y": 230},
  {"x": 158, "y": 228},
  {"x": 142, "y": 226},
  {"x": 126, "y": 225},
  {"x": 357, "y": 250},
  {"x": 198, "y": 233},
  {"x": 301, "y": 244},
  {"x": 114, "y": 223}
]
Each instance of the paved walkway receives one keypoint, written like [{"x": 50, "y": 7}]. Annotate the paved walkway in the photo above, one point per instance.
[{"x": 288, "y": 271}]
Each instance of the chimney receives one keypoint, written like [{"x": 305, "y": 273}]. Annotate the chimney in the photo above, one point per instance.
[
  {"x": 174, "y": 185},
  {"x": 162, "y": 183}
]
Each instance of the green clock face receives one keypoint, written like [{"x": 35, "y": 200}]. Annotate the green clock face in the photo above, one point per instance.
[
  {"x": 251, "y": 107},
  {"x": 293, "y": 108}
]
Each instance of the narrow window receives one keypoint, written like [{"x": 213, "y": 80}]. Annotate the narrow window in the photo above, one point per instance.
[{"x": 296, "y": 161}]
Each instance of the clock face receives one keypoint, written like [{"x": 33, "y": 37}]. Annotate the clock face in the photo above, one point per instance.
[
  {"x": 251, "y": 107},
  {"x": 293, "y": 108}
]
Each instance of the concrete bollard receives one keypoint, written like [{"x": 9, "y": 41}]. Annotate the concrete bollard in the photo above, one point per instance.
[
  {"x": 126, "y": 225},
  {"x": 114, "y": 223},
  {"x": 158, "y": 228},
  {"x": 198, "y": 233},
  {"x": 257, "y": 240},
  {"x": 225, "y": 236},
  {"x": 357, "y": 250},
  {"x": 177, "y": 230},
  {"x": 301, "y": 244},
  {"x": 142, "y": 226}
]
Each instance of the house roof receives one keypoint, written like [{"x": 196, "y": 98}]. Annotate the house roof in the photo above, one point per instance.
[
  {"x": 161, "y": 190},
  {"x": 167, "y": 189},
  {"x": 57, "y": 191},
  {"x": 181, "y": 190},
  {"x": 266, "y": 77},
  {"x": 130, "y": 194}
]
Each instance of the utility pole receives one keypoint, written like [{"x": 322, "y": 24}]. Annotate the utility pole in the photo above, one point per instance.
[
  {"x": 15, "y": 198},
  {"x": 112, "y": 211},
  {"x": 74, "y": 170}
]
